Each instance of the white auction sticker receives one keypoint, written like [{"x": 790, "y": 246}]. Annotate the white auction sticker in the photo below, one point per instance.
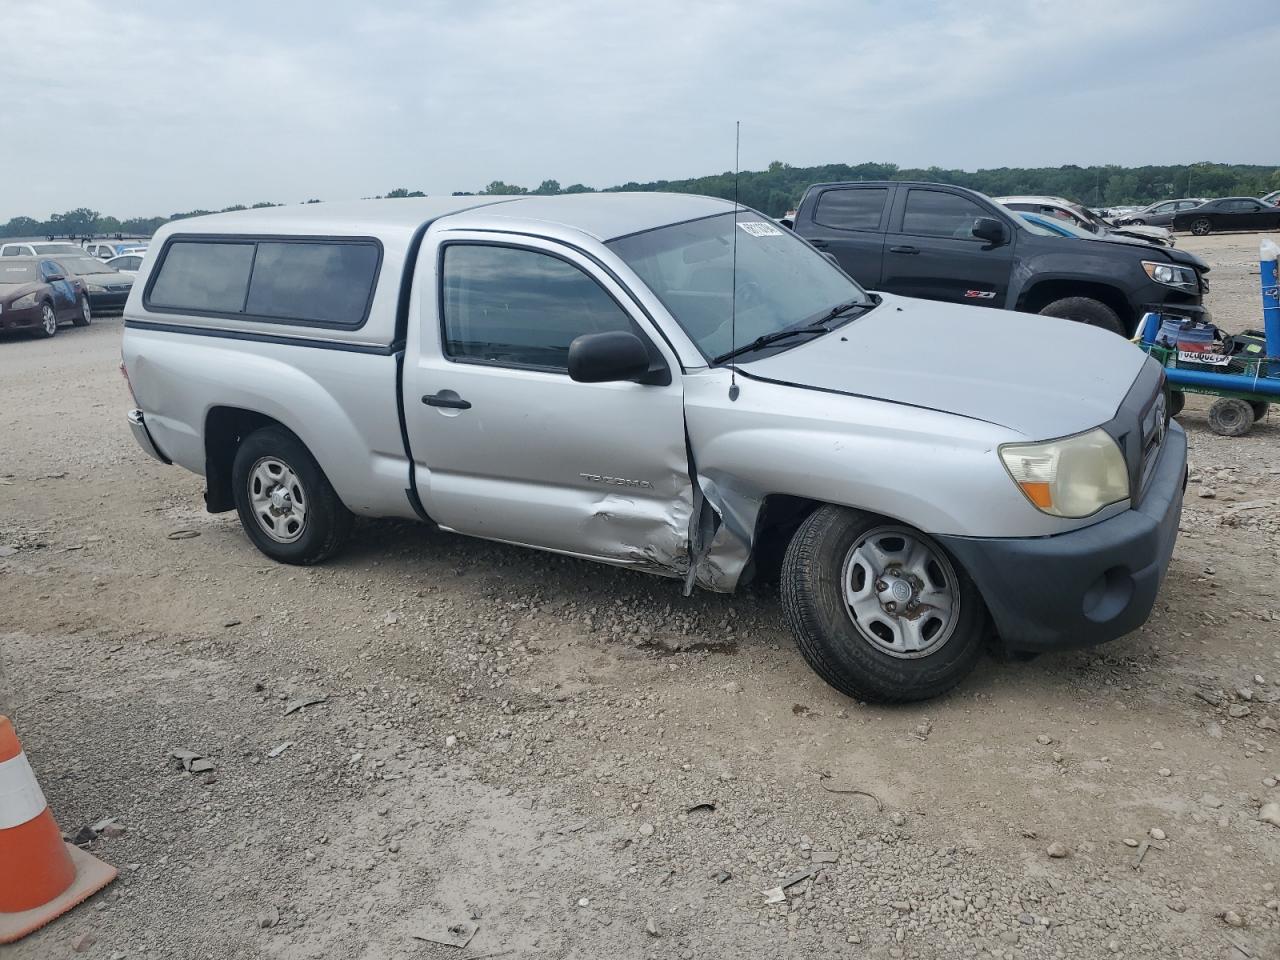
[
  {"x": 1193, "y": 356},
  {"x": 758, "y": 228}
]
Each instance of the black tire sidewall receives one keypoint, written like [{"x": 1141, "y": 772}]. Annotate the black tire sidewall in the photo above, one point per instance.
[
  {"x": 1235, "y": 424},
  {"x": 830, "y": 642},
  {"x": 1085, "y": 310},
  {"x": 327, "y": 521}
]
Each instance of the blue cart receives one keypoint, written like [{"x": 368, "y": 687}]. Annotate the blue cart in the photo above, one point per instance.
[{"x": 1245, "y": 383}]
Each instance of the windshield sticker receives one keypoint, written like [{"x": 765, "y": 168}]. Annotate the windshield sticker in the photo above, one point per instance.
[{"x": 758, "y": 228}]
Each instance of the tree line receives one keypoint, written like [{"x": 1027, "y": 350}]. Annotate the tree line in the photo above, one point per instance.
[{"x": 779, "y": 187}]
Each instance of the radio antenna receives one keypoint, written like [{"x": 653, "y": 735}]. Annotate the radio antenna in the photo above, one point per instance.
[{"x": 733, "y": 303}]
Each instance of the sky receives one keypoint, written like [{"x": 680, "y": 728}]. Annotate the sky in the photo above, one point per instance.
[{"x": 152, "y": 107}]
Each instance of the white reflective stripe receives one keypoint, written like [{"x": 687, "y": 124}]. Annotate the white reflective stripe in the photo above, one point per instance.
[{"x": 20, "y": 796}]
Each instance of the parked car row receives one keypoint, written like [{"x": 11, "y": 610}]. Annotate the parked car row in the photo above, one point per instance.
[
  {"x": 38, "y": 293},
  {"x": 1200, "y": 216}
]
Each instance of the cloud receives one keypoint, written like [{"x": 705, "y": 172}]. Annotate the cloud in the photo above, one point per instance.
[{"x": 152, "y": 107}]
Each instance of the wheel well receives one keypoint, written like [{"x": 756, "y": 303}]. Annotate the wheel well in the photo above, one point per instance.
[
  {"x": 1047, "y": 291},
  {"x": 780, "y": 516},
  {"x": 224, "y": 429}
]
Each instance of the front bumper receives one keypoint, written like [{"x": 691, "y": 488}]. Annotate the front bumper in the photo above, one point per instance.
[
  {"x": 1088, "y": 586},
  {"x": 20, "y": 318},
  {"x": 138, "y": 424},
  {"x": 110, "y": 302}
]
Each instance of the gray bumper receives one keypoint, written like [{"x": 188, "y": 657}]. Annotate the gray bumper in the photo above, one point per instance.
[
  {"x": 138, "y": 424},
  {"x": 1085, "y": 587}
]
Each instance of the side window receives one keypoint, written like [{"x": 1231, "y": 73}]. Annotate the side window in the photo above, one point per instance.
[
  {"x": 130, "y": 263},
  {"x": 517, "y": 307},
  {"x": 854, "y": 209},
  {"x": 931, "y": 213},
  {"x": 203, "y": 276},
  {"x": 321, "y": 282},
  {"x": 49, "y": 269},
  {"x": 12, "y": 251}
]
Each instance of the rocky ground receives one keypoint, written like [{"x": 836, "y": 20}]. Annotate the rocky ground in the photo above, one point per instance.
[{"x": 431, "y": 735}]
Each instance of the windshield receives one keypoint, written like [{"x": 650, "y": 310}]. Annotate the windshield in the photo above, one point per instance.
[
  {"x": 48, "y": 248},
  {"x": 79, "y": 266},
  {"x": 18, "y": 272},
  {"x": 781, "y": 281},
  {"x": 1040, "y": 224}
]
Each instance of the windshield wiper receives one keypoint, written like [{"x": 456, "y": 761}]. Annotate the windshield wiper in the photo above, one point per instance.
[
  {"x": 842, "y": 308},
  {"x": 813, "y": 328}
]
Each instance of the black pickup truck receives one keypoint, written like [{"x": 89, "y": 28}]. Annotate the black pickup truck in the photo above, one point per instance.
[{"x": 942, "y": 242}]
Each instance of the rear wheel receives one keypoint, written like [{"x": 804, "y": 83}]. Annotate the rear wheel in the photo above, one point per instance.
[
  {"x": 879, "y": 610},
  {"x": 84, "y": 315},
  {"x": 1177, "y": 400},
  {"x": 1201, "y": 226},
  {"x": 1085, "y": 310},
  {"x": 287, "y": 506},
  {"x": 1260, "y": 408},
  {"x": 1230, "y": 417},
  {"x": 48, "y": 320}
]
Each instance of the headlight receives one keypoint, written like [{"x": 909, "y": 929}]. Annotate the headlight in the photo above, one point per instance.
[
  {"x": 1073, "y": 477},
  {"x": 1172, "y": 275},
  {"x": 23, "y": 303},
  {"x": 95, "y": 287}
]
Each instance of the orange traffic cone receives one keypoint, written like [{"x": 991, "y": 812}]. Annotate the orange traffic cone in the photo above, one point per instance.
[{"x": 41, "y": 877}]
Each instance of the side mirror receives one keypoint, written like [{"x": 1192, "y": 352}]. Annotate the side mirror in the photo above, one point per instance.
[
  {"x": 989, "y": 229},
  {"x": 608, "y": 357},
  {"x": 53, "y": 277}
]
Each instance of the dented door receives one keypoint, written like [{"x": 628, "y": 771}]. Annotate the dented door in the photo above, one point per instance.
[{"x": 508, "y": 447}]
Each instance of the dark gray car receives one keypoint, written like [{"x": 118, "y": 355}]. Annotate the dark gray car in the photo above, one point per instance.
[{"x": 1157, "y": 214}]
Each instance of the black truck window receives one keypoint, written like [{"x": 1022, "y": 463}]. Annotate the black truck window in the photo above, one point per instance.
[{"x": 851, "y": 209}]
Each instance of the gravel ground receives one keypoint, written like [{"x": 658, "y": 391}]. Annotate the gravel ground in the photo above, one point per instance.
[{"x": 579, "y": 761}]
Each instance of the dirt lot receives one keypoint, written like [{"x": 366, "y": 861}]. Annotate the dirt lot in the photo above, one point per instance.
[{"x": 582, "y": 762}]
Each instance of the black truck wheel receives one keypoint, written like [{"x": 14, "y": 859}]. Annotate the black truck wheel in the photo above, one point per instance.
[
  {"x": 287, "y": 506},
  {"x": 1085, "y": 310},
  {"x": 879, "y": 610},
  {"x": 1230, "y": 417},
  {"x": 1177, "y": 400},
  {"x": 1260, "y": 408}
]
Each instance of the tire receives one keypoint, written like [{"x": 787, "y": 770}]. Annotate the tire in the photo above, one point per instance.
[
  {"x": 1136, "y": 222},
  {"x": 1177, "y": 400},
  {"x": 308, "y": 521},
  {"x": 83, "y": 313},
  {"x": 1260, "y": 408},
  {"x": 1085, "y": 310},
  {"x": 48, "y": 320},
  {"x": 1201, "y": 226},
  {"x": 828, "y": 561},
  {"x": 1230, "y": 417}
]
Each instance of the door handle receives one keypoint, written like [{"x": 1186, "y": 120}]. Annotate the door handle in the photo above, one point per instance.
[
  {"x": 820, "y": 244},
  {"x": 904, "y": 249},
  {"x": 446, "y": 398}
]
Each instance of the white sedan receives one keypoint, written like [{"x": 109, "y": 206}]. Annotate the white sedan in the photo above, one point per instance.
[{"x": 127, "y": 263}]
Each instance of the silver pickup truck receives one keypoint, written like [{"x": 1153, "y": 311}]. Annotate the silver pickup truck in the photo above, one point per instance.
[{"x": 669, "y": 383}]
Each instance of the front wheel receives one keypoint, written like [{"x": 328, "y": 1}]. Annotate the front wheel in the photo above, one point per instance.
[
  {"x": 879, "y": 610},
  {"x": 286, "y": 504},
  {"x": 1085, "y": 310},
  {"x": 48, "y": 320},
  {"x": 84, "y": 314},
  {"x": 1201, "y": 226},
  {"x": 1260, "y": 408},
  {"x": 1177, "y": 400}
]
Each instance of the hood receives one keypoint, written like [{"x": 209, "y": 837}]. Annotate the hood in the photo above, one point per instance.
[
  {"x": 1041, "y": 376},
  {"x": 1148, "y": 233},
  {"x": 11, "y": 291},
  {"x": 105, "y": 279}
]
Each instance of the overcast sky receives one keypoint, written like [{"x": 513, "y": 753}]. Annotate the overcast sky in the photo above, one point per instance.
[{"x": 150, "y": 107}]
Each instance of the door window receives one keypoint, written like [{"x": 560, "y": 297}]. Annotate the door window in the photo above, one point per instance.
[
  {"x": 854, "y": 209},
  {"x": 930, "y": 213},
  {"x": 516, "y": 307}
]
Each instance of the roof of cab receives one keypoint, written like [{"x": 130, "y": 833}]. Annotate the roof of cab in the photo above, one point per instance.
[{"x": 604, "y": 216}]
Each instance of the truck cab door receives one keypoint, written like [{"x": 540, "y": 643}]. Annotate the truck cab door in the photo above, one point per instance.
[
  {"x": 505, "y": 445},
  {"x": 931, "y": 252},
  {"x": 848, "y": 222}
]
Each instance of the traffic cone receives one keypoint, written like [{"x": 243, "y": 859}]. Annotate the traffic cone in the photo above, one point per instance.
[{"x": 41, "y": 877}]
